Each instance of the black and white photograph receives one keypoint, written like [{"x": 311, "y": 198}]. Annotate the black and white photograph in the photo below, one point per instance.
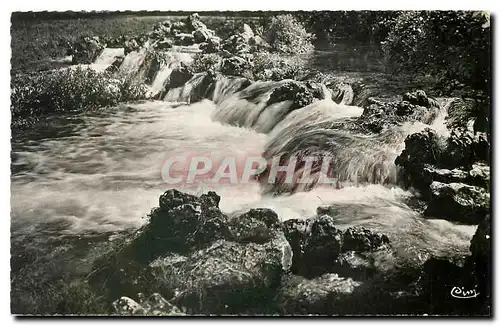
[{"x": 251, "y": 163}]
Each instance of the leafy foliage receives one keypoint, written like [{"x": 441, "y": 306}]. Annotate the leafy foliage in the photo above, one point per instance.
[
  {"x": 454, "y": 45},
  {"x": 205, "y": 62},
  {"x": 271, "y": 66},
  {"x": 70, "y": 90},
  {"x": 287, "y": 35}
]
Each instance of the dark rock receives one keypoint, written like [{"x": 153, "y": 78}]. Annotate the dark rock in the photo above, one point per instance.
[
  {"x": 178, "y": 77},
  {"x": 342, "y": 94},
  {"x": 360, "y": 239},
  {"x": 300, "y": 94},
  {"x": 164, "y": 44},
  {"x": 181, "y": 223},
  {"x": 227, "y": 277},
  {"x": 131, "y": 46},
  {"x": 379, "y": 116},
  {"x": 296, "y": 232},
  {"x": 86, "y": 50},
  {"x": 421, "y": 149},
  {"x": 212, "y": 45},
  {"x": 479, "y": 175},
  {"x": 458, "y": 202},
  {"x": 480, "y": 248},
  {"x": 324, "y": 295},
  {"x": 420, "y": 98},
  {"x": 234, "y": 66},
  {"x": 257, "y": 225}
]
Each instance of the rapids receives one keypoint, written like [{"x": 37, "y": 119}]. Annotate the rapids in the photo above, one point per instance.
[{"x": 101, "y": 171}]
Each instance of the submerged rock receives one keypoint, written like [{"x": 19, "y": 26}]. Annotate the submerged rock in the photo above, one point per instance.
[{"x": 458, "y": 202}]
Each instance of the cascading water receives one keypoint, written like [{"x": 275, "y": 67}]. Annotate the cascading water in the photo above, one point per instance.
[{"x": 101, "y": 171}]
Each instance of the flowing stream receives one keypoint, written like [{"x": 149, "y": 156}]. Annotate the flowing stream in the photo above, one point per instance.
[{"x": 101, "y": 171}]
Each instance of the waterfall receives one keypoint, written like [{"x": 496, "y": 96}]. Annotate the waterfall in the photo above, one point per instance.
[
  {"x": 327, "y": 130},
  {"x": 133, "y": 61}
]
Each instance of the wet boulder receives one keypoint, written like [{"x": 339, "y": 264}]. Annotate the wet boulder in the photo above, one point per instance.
[
  {"x": 421, "y": 150},
  {"x": 458, "y": 202},
  {"x": 211, "y": 45},
  {"x": 480, "y": 248},
  {"x": 360, "y": 239},
  {"x": 299, "y": 93},
  {"x": 86, "y": 50},
  {"x": 342, "y": 93},
  {"x": 181, "y": 223},
  {"x": 380, "y": 115},
  {"x": 235, "y": 66},
  {"x": 226, "y": 277},
  {"x": 479, "y": 175},
  {"x": 257, "y": 225},
  {"x": 320, "y": 247},
  {"x": 324, "y": 295},
  {"x": 179, "y": 76},
  {"x": 420, "y": 98}
]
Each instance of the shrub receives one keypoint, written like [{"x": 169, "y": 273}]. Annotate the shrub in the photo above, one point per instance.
[
  {"x": 287, "y": 35},
  {"x": 267, "y": 66},
  {"x": 205, "y": 62},
  {"x": 70, "y": 90},
  {"x": 447, "y": 44}
]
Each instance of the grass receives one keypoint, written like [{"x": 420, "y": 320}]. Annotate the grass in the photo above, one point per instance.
[{"x": 35, "y": 43}]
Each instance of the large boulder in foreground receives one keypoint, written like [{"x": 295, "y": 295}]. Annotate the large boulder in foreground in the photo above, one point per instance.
[
  {"x": 458, "y": 202},
  {"x": 198, "y": 258},
  {"x": 227, "y": 277}
]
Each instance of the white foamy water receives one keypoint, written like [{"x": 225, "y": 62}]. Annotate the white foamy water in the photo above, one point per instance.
[{"x": 102, "y": 172}]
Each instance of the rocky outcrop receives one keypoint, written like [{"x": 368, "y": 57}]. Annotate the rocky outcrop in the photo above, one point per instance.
[
  {"x": 178, "y": 77},
  {"x": 458, "y": 202},
  {"x": 198, "y": 258},
  {"x": 301, "y": 94},
  {"x": 86, "y": 50},
  {"x": 379, "y": 116},
  {"x": 319, "y": 247},
  {"x": 226, "y": 277}
]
